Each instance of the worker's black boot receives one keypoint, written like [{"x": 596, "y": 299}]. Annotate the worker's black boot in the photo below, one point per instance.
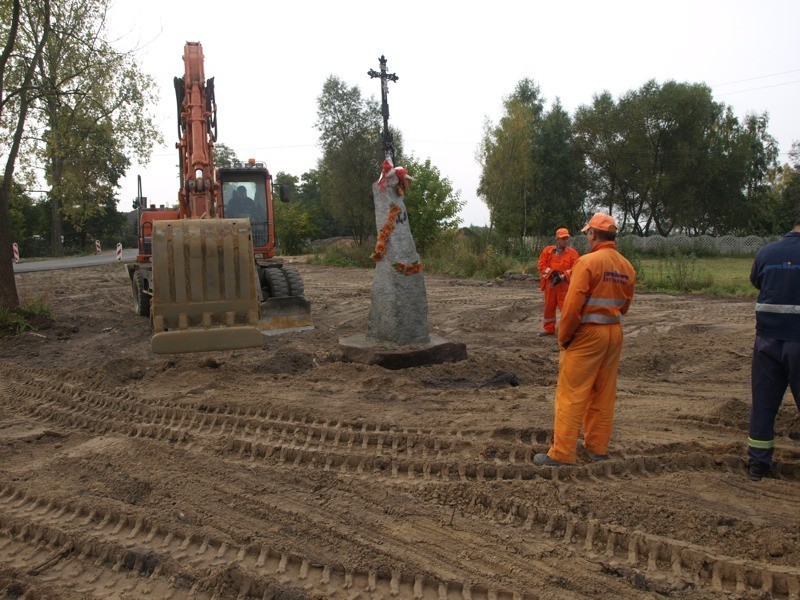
[{"x": 758, "y": 471}]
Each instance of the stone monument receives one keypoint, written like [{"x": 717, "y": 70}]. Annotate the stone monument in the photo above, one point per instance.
[{"x": 397, "y": 329}]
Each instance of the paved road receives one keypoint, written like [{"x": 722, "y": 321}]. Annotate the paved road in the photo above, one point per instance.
[{"x": 128, "y": 256}]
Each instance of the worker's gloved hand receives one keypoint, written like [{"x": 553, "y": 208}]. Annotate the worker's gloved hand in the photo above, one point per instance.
[{"x": 556, "y": 278}]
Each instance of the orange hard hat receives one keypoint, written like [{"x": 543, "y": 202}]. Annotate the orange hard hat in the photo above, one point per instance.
[
  {"x": 603, "y": 222},
  {"x": 562, "y": 232}
]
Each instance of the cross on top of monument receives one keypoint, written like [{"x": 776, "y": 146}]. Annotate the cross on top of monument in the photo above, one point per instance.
[{"x": 388, "y": 139}]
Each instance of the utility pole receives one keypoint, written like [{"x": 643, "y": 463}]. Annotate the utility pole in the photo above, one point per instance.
[{"x": 388, "y": 140}]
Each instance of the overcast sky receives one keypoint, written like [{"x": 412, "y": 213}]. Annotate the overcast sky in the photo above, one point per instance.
[{"x": 456, "y": 61}]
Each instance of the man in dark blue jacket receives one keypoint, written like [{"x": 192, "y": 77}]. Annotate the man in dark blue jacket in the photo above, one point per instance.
[{"x": 776, "y": 353}]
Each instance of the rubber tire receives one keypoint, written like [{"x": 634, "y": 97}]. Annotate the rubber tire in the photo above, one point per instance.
[
  {"x": 295, "y": 282},
  {"x": 277, "y": 286},
  {"x": 141, "y": 300}
]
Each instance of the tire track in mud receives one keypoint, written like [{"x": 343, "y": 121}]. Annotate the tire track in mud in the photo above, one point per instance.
[
  {"x": 716, "y": 423},
  {"x": 277, "y": 436},
  {"x": 664, "y": 564},
  {"x": 96, "y": 548},
  {"x": 41, "y": 531}
]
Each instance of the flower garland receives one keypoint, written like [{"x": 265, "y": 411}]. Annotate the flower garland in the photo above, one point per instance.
[
  {"x": 383, "y": 238},
  {"x": 405, "y": 269},
  {"x": 386, "y": 231}
]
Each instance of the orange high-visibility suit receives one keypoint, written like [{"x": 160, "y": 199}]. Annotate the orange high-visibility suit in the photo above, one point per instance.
[
  {"x": 590, "y": 337},
  {"x": 550, "y": 261}
]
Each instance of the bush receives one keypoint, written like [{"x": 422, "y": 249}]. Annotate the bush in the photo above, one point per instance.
[
  {"x": 354, "y": 256},
  {"x": 294, "y": 227},
  {"x": 462, "y": 256}
]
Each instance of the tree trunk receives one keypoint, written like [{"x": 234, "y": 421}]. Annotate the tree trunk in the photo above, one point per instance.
[
  {"x": 9, "y": 298},
  {"x": 57, "y": 231},
  {"x": 8, "y": 285}
]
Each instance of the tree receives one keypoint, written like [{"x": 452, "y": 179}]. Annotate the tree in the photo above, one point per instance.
[
  {"x": 510, "y": 175},
  {"x": 533, "y": 170},
  {"x": 295, "y": 226},
  {"x": 432, "y": 204},
  {"x": 669, "y": 158},
  {"x": 23, "y": 45},
  {"x": 224, "y": 156},
  {"x": 29, "y": 222},
  {"x": 349, "y": 127},
  {"x": 96, "y": 103},
  {"x": 559, "y": 198},
  {"x": 598, "y": 136},
  {"x": 87, "y": 176},
  {"x": 781, "y": 206},
  {"x": 309, "y": 195}
]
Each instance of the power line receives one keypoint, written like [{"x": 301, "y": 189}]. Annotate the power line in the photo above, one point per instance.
[
  {"x": 755, "y": 78},
  {"x": 764, "y": 87}
]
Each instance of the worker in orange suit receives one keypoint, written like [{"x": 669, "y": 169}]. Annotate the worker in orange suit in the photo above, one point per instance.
[
  {"x": 555, "y": 269},
  {"x": 590, "y": 340}
]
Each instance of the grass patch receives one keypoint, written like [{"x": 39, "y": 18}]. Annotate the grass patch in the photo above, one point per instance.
[
  {"x": 34, "y": 315},
  {"x": 470, "y": 257},
  {"x": 715, "y": 276}
]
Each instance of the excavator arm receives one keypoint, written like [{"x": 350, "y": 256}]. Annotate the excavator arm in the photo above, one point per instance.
[{"x": 197, "y": 112}]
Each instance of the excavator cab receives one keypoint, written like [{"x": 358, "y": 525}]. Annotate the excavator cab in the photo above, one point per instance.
[
  {"x": 244, "y": 195},
  {"x": 246, "y": 191}
]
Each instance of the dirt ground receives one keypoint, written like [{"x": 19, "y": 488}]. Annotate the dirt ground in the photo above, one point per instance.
[{"x": 286, "y": 473}]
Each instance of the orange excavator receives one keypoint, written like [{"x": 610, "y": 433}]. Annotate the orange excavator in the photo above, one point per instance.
[{"x": 206, "y": 273}]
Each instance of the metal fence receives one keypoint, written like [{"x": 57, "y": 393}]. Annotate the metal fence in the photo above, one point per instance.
[{"x": 702, "y": 245}]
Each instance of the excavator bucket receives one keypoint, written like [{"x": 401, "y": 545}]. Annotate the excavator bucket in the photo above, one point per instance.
[
  {"x": 204, "y": 286},
  {"x": 284, "y": 315}
]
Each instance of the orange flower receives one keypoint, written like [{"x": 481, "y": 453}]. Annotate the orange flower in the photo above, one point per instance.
[
  {"x": 411, "y": 269},
  {"x": 386, "y": 231}
]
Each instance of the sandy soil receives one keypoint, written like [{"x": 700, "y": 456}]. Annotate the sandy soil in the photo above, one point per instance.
[{"x": 286, "y": 473}]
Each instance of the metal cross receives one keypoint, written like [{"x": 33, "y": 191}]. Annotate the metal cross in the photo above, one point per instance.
[{"x": 388, "y": 139}]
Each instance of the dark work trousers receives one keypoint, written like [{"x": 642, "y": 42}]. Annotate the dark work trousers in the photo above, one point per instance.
[{"x": 776, "y": 365}]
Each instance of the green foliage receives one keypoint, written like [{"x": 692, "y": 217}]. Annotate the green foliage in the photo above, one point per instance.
[
  {"x": 349, "y": 127},
  {"x": 669, "y": 158},
  {"x": 294, "y": 227},
  {"x": 676, "y": 273},
  {"x": 224, "y": 156},
  {"x": 83, "y": 178},
  {"x": 95, "y": 112},
  {"x": 685, "y": 273},
  {"x": 467, "y": 256},
  {"x": 532, "y": 179},
  {"x": 432, "y": 204},
  {"x": 34, "y": 315},
  {"x": 29, "y": 223},
  {"x": 309, "y": 195}
]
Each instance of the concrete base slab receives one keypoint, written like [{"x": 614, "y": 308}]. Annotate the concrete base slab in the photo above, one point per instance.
[{"x": 391, "y": 356}]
